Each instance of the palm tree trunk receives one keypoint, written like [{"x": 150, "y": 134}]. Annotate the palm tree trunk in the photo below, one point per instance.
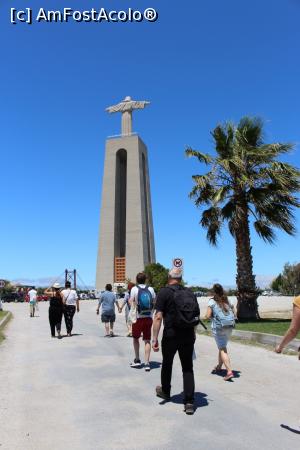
[{"x": 245, "y": 280}]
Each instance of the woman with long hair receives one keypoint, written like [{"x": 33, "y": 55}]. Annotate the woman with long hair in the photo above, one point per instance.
[
  {"x": 293, "y": 329},
  {"x": 219, "y": 306},
  {"x": 55, "y": 309}
]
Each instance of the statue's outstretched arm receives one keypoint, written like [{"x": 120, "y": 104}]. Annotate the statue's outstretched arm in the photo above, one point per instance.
[{"x": 115, "y": 108}]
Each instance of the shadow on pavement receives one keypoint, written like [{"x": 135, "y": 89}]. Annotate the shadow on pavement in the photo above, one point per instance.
[
  {"x": 155, "y": 365},
  {"x": 73, "y": 334},
  {"x": 223, "y": 372},
  {"x": 199, "y": 402},
  {"x": 286, "y": 427},
  {"x": 111, "y": 337}
]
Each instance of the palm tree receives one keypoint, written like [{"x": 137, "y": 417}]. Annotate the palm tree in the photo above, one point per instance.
[{"x": 246, "y": 185}]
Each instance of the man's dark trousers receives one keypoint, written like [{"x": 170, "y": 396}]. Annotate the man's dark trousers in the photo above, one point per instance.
[{"x": 183, "y": 342}]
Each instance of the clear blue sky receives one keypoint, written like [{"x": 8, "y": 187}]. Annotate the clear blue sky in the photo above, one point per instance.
[{"x": 200, "y": 63}]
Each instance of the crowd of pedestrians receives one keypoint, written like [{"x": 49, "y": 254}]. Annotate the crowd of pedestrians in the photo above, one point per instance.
[
  {"x": 177, "y": 308},
  {"x": 174, "y": 306}
]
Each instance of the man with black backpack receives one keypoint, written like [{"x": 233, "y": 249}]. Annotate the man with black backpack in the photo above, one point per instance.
[
  {"x": 178, "y": 307},
  {"x": 142, "y": 298}
]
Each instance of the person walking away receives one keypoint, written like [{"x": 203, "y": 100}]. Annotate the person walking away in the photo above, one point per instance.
[
  {"x": 32, "y": 294},
  {"x": 221, "y": 314},
  {"x": 37, "y": 308},
  {"x": 107, "y": 301},
  {"x": 178, "y": 307},
  {"x": 126, "y": 305},
  {"x": 293, "y": 329},
  {"x": 71, "y": 303},
  {"x": 143, "y": 298},
  {"x": 55, "y": 309}
]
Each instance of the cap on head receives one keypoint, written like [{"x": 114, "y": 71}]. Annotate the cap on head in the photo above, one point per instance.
[
  {"x": 56, "y": 286},
  {"x": 175, "y": 273}
]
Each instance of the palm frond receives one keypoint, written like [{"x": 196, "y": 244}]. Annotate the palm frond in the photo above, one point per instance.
[
  {"x": 264, "y": 230},
  {"x": 212, "y": 221},
  {"x": 277, "y": 215},
  {"x": 202, "y": 157},
  {"x": 220, "y": 194},
  {"x": 249, "y": 132},
  {"x": 203, "y": 191},
  {"x": 228, "y": 210},
  {"x": 224, "y": 138}
]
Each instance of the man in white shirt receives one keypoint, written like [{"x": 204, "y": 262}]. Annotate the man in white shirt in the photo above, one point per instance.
[
  {"x": 32, "y": 294},
  {"x": 142, "y": 297},
  {"x": 71, "y": 303}
]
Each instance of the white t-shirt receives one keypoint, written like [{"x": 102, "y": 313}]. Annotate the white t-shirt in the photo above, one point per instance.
[
  {"x": 134, "y": 295},
  {"x": 32, "y": 295},
  {"x": 69, "y": 296}
]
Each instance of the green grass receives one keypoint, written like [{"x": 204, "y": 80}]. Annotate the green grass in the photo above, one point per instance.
[{"x": 270, "y": 326}]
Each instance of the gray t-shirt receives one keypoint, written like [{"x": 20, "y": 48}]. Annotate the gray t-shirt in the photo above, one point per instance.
[{"x": 107, "y": 300}]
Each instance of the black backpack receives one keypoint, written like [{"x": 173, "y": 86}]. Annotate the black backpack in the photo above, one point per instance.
[{"x": 186, "y": 308}]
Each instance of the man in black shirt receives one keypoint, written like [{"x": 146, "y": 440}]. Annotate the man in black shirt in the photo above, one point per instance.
[{"x": 174, "y": 339}]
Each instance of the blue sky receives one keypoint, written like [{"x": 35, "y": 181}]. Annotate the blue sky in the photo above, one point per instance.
[{"x": 200, "y": 64}]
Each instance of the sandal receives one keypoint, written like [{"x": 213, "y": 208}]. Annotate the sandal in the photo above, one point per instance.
[
  {"x": 229, "y": 376},
  {"x": 216, "y": 369}
]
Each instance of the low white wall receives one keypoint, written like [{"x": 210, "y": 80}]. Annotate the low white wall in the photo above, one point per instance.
[{"x": 265, "y": 304}]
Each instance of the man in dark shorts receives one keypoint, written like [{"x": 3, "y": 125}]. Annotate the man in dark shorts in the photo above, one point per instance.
[
  {"x": 174, "y": 339},
  {"x": 143, "y": 297},
  {"x": 107, "y": 301}
]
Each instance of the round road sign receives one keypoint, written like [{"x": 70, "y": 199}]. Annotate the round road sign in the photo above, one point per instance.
[{"x": 178, "y": 262}]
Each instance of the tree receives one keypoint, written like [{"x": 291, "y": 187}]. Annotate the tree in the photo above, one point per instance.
[
  {"x": 205, "y": 290},
  {"x": 245, "y": 185},
  {"x": 8, "y": 288},
  {"x": 288, "y": 282},
  {"x": 157, "y": 275},
  {"x": 276, "y": 284}
]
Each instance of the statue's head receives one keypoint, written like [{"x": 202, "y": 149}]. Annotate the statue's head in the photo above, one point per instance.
[{"x": 127, "y": 99}]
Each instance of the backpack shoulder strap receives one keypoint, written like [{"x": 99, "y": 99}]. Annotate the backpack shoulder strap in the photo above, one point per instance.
[{"x": 174, "y": 289}]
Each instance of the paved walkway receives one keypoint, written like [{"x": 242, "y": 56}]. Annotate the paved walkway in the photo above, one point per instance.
[{"x": 79, "y": 393}]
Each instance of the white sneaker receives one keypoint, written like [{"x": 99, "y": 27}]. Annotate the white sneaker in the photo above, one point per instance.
[
  {"x": 136, "y": 363},
  {"x": 147, "y": 367}
]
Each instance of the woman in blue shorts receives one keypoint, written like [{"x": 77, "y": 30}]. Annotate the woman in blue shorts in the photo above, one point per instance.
[{"x": 221, "y": 335}]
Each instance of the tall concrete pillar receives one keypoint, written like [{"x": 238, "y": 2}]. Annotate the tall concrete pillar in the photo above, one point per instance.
[{"x": 126, "y": 237}]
